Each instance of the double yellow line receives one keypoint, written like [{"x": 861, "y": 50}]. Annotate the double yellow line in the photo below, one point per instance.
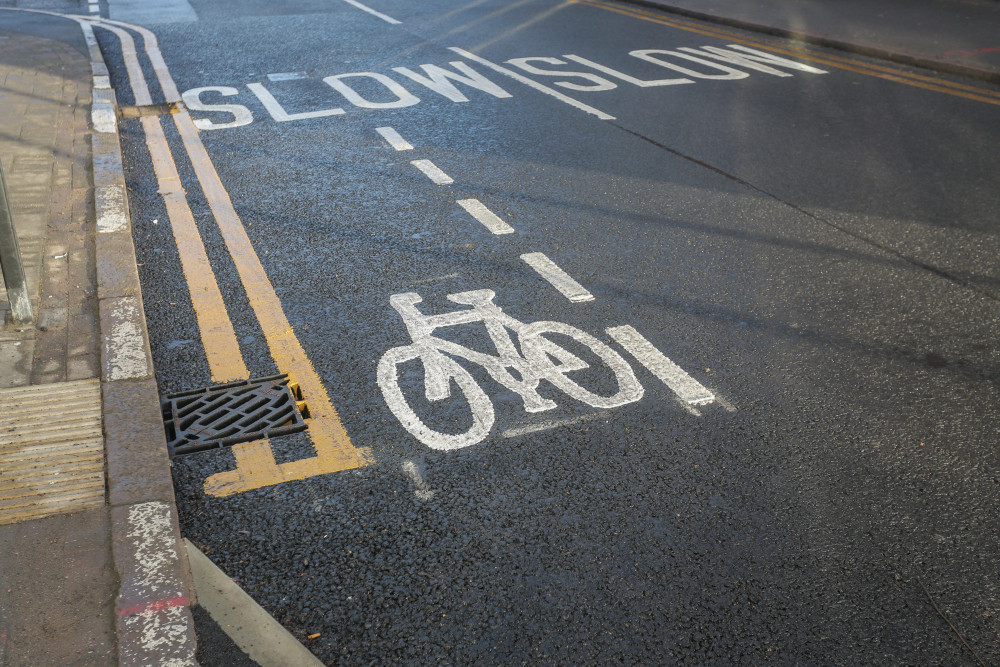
[
  {"x": 255, "y": 463},
  {"x": 888, "y": 73}
]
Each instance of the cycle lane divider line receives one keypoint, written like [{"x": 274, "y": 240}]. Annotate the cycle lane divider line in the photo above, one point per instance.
[
  {"x": 549, "y": 425},
  {"x": 689, "y": 390},
  {"x": 334, "y": 450},
  {"x": 365, "y": 8},
  {"x": 433, "y": 172},
  {"x": 485, "y": 216},
  {"x": 556, "y": 277},
  {"x": 542, "y": 88},
  {"x": 394, "y": 138}
]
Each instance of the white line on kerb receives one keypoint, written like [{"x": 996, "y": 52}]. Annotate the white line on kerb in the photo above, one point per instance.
[
  {"x": 549, "y": 425},
  {"x": 387, "y": 19},
  {"x": 484, "y": 215},
  {"x": 559, "y": 279},
  {"x": 686, "y": 387},
  {"x": 394, "y": 139},
  {"x": 432, "y": 172},
  {"x": 532, "y": 83}
]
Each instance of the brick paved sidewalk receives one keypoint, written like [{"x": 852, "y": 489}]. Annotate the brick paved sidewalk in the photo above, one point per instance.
[{"x": 57, "y": 581}]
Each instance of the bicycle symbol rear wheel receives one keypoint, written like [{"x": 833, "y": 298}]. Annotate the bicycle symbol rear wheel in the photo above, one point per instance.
[{"x": 439, "y": 370}]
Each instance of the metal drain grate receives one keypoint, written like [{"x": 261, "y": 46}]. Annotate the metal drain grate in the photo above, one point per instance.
[{"x": 227, "y": 414}]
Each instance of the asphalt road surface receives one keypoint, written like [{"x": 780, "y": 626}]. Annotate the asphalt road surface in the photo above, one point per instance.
[{"x": 757, "y": 421}]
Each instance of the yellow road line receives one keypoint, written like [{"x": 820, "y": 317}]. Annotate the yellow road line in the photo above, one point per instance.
[
  {"x": 852, "y": 65},
  {"x": 334, "y": 451},
  {"x": 217, "y": 336},
  {"x": 255, "y": 463}
]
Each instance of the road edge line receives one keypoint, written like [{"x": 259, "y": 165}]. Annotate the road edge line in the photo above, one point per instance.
[
  {"x": 153, "y": 621},
  {"x": 900, "y": 57},
  {"x": 251, "y": 628}
]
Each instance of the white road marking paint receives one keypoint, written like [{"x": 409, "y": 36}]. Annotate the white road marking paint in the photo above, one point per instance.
[
  {"x": 596, "y": 82},
  {"x": 384, "y": 17},
  {"x": 192, "y": 100},
  {"x": 439, "y": 80},
  {"x": 488, "y": 218},
  {"x": 432, "y": 172},
  {"x": 625, "y": 77},
  {"x": 103, "y": 118},
  {"x": 650, "y": 55},
  {"x": 394, "y": 139},
  {"x": 124, "y": 345},
  {"x": 558, "y": 278},
  {"x": 422, "y": 492},
  {"x": 533, "y": 84},
  {"x": 287, "y": 76},
  {"x": 520, "y": 367},
  {"x": 686, "y": 387},
  {"x": 279, "y": 114},
  {"x": 549, "y": 425},
  {"x": 404, "y": 97},
  {"x": 109, "y": 205},
  {"x": 162, "y": 622}
]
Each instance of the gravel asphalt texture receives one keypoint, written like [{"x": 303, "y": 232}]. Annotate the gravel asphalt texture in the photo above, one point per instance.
[{"x": 830, "y": 278}]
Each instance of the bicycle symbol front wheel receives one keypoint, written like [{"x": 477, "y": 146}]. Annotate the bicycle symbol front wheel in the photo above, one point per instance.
[
  {"x": 543, "y": 355},
  {"x": 439, "y": 371}
]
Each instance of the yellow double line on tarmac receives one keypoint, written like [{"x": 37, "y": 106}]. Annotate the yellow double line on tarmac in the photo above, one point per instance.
[
  {"x": 898, "y": 75},
  {"x": 255, "y": 463}
]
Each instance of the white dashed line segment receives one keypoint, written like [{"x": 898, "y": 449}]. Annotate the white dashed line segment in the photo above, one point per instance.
[
  {"x": 287, "y": 76},
  {"x": 394, "y": 139},
  {"x": 432, "y": 172},
  {"x": 686, "y": 387},
  {"x": 387, "y": 19},
  {"x": 558, "y": 278},
  {"x": 488, "y": 218},
  {"x": 533, "y": 84}
]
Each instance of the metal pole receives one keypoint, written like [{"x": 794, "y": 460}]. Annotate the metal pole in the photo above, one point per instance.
[{"x": 10, "y": 262}]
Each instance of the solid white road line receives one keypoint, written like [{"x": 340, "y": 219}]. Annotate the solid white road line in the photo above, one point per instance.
[
  {"x": 387, "y": 19},
  {"x": 548, "y": 425},
  {"x": 432, "y": 172},
  {"x": 250, "y": 627},
  {"x": 394, "y": 139},
  {"x": 532, "y": 83},
  {"x": 484, "y": 215},
  {"x": 686, "y": 387},
  {"x": 559, "y": 279}
]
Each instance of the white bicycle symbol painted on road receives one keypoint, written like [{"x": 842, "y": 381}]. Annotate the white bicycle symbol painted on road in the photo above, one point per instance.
[{"x": 540, "y": 359}]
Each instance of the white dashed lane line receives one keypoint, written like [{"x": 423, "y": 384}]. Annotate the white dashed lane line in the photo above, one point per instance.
[
  {"x": 488, "y": 218},
  {"x": 558, "y": 278},
  {"x": 387, "y": 19},
  {"x": 433, "y": 172},
  {"x": 394, "y": 139}
]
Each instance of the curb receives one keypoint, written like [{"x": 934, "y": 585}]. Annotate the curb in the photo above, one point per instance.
[
  {"x": 901, "y": 57},
  {"x": 154, "y": 624}
]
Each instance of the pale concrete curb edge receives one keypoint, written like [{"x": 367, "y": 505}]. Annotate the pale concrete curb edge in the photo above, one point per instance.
[
  {"x": 898, "y": 56},
  {"x": 156, "y": 592}
]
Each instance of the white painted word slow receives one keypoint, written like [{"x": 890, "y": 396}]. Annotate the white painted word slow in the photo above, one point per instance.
[{"x": 377, "y": 90}]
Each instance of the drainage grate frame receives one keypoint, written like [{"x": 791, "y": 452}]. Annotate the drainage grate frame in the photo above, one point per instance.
[{"x": 227, "y": 414}]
